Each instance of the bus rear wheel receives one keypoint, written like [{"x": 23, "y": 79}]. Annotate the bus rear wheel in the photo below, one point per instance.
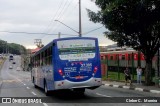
[
  {"x": 34, "y": 83},
  {"x": 46, "y": 89}
]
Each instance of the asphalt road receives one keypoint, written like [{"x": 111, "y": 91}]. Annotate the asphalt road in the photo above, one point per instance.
[{"x": 18, "y": 84}]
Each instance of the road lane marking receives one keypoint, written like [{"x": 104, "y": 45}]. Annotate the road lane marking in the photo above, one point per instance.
[
  {"x": 45, "y": 104},
  {"x": 138, "y": 89},
  {"x": 27, "y": 87},
  {"x": 12, "y": 81},
  {"x": 9, "y": 80},
  {"x": 107, "y": 84},
  {"x": 102, "y": 95},
  {"x": 126, "y": 87},
  {"x": 15, "y": 77},
  {"x": 154, "y": 91},
  {"x": 33, "y": 93},
  {"x": 116, "y": 86}
]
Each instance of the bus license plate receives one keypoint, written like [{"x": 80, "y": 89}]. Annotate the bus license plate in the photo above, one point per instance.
[{"x": 79, "y": 77}]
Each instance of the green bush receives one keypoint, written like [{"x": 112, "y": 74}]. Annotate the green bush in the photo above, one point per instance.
[{"x": 156, "y": 80}]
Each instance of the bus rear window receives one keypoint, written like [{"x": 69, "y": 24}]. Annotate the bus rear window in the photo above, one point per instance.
[{"x": 76, "y": 50}]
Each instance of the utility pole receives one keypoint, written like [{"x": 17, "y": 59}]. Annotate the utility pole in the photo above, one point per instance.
[
  {"x": 38, "y": 42},
  {"x": 59, "y": 35},
  {"x": 80, "y": 23},
  {"x": 158, "y": 66}
]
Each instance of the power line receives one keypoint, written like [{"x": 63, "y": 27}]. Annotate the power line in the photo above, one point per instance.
[
  {"x": 66, "y": 14},
  {"x": 51, "y": 33},
  {"x": 36, "y": 33},
  {"x": 85, "y": 32},
  {"x": 52, "y": 20},
  {"x": 62, "y": 9},
  {"x": 70, "y": 12},
  {"x": 92, "y": 30},
  {"x": 66, "y": 9},
  {"x": 61, "y": 14},
  {"x": 58, "y": 10}
]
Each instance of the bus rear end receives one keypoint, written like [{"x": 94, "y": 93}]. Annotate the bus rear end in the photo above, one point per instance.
[{"x": 77, "y": 64}]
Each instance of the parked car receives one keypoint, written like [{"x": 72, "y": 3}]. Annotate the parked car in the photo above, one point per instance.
[
  {"x": 10, "y": 67},
  {"x": 18, "y": 69},
  {"x": 10, "y": 57}
]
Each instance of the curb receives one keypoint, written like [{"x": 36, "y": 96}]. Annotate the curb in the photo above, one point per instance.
[
  {"x": 0, "y": 71},
  {"x": 132, "y": 88}
]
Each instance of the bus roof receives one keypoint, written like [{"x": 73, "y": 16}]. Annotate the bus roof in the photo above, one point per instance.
[
  {"x": 68, "y": 38},
  {"x": 55, "y": 40}
]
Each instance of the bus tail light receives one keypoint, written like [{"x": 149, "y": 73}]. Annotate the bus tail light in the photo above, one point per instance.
[
  {"x": 95, "y": 69},
  {"x": 60, "y": 72}
]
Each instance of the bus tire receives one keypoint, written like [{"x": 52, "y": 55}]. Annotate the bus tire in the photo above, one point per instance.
[
  {"x": 46, "y": 89},
  {"x": 34, "y": 83}
]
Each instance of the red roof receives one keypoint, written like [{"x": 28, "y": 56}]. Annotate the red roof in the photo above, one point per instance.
[{"x": 35, "y": 50}]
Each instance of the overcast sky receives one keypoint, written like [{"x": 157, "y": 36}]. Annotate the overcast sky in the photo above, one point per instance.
[{"x": 37, "y": 16}]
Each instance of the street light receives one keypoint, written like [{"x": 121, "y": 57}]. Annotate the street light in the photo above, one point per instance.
[{"x": 69, "y": 27}]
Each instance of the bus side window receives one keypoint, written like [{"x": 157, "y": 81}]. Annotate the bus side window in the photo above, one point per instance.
[
  {"x": 39, "y": 60},
  {"x": 54, "y": 44},
  {"x": 50, "y": 57},
  {"x": 45, "y": 57}
]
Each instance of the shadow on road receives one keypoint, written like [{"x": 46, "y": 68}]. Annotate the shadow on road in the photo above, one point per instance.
[{"x": 68, "y": 96}]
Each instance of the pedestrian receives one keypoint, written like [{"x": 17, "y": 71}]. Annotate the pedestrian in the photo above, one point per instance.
[
  {"x": 127, "y": 76},
  {"x": 139, "y": 74}
]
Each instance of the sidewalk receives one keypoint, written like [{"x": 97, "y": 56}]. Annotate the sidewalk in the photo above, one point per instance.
[
  {"x": 134, "y": 86},
  {"x": 1, "y": 65}
]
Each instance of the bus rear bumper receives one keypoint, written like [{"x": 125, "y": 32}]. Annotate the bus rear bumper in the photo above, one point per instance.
[{"x": 65, "y": 84}]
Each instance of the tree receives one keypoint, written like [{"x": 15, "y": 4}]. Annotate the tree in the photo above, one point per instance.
[
  {"x": 134, "y": 23},
  {"x": 12, "y": 48}
]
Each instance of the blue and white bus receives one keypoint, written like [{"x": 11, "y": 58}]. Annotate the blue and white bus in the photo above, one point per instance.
[{"x": 67, "y": 63}]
